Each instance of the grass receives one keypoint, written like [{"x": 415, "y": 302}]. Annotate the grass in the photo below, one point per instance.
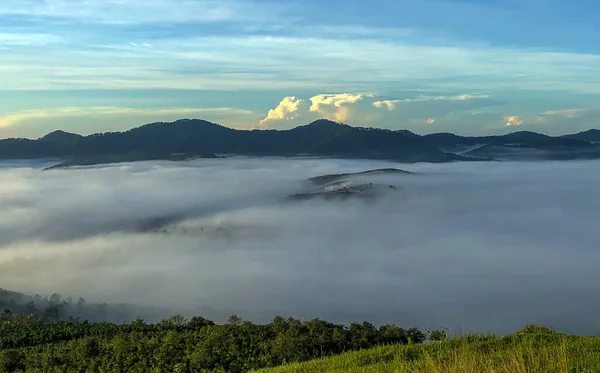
[{"x": 533, "y": 349}]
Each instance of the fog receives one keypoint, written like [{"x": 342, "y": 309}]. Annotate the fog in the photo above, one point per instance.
[{"x": 486, "y": 247}]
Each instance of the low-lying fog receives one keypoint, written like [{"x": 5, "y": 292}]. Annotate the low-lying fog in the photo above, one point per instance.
[{"x": 479, "y": 246}]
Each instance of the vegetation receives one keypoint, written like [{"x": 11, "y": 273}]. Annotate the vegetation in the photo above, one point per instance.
[
  {"x": 533, "y": 349},
  {"x": 43, "y": 334},
  {"x": 198, "y": 138},
  {"x": 33, "y": 344},
  {"x": 189, "y": 138}
]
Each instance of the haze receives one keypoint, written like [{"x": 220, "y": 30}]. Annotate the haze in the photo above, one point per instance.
[{"x": 467, "y": 246}]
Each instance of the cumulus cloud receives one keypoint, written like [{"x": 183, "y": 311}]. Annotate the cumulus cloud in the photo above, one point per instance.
[
  {"x": 340, "y": 107},
  {"x": 366, "y": 109},
  {"x": 289, "y": 108},
  {"x": 513, "y": 121},
  {"x": 444, "y": 250}
]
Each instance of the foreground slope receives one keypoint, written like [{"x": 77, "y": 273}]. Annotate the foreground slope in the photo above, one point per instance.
[{"x": 533, "y": 349}]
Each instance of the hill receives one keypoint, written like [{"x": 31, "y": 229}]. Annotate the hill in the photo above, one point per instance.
[
  {"x": 190, "y": 138},
  {"x": 533, "y": 349},
  {"x": 592, "y": 135},
  {"x": 42, "y": 335},
  {"x": 198, "y": 138}
]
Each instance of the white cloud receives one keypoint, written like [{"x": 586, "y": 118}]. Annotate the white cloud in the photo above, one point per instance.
[
  {"x": 569, "y": 113},
  {"x": 133, "y": 11},
  {"x": 339, "y": 107},
  {"x": 238, "y": 62},
  {"x": 289, "y": 108},
  {"x": 393, "y": 104},
  {"x": 367, "y": 109},
  {"x": 513, "y": 121}
]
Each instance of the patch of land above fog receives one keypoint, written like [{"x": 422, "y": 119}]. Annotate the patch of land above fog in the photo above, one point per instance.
[{"x": 488, "y": 246}]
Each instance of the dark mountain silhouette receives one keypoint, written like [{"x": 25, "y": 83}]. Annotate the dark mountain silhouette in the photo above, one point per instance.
[
  {"x": 61, "y": 137},
  {"x": 198, "y": 138},
  {"x": 188, "y": 138},
  {"x": 589, "y": 135}
]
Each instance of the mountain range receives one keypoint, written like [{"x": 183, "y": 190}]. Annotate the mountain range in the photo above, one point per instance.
[{"x": 190, "y": 138}]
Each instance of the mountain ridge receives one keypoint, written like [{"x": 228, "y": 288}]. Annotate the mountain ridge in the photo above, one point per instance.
[{"x": 189, "y": 138}]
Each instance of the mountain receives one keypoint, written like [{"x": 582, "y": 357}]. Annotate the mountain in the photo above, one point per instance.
[
  {"x": 61, "y": 137},
  {"x": 589, "y": 135},
  {"x": 188, "y": 138},
  {"x": 198, "y": 138}
]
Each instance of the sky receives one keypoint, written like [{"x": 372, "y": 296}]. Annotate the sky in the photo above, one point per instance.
[{"x": 464, "y": 66}]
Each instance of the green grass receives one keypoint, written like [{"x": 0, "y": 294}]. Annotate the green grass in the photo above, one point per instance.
[{"x": 533, "y": 349}]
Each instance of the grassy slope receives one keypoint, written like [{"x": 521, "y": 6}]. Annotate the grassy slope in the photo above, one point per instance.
[{"x": 531, "y": 350}]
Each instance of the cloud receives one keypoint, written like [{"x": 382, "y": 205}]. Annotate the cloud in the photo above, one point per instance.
[
  {"x": 86, "y": 120},
  {"x": 133, "y": 11},
  {"x": 443, "y": 250},
  {"x": 394, "y": 104},
  {"x": 20, "y": 39},
  {"x": 337, "y": 107},
  {"x": 568, "y": 120},
  {"x": 289, "y": 108},
  {"x": 513, "y": 121},
  {"x": 569, "y": 113},
  {"x": 278, "y": 61},
  {"x": 367, "y": 109}
]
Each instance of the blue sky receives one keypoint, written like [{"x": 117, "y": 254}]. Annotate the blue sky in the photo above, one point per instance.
[{"x": 464, "y": 66}]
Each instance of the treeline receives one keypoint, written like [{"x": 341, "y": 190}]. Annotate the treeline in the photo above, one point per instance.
[
  {"x": 32, "y": 344},
  {"x": 55, "y": 307}
]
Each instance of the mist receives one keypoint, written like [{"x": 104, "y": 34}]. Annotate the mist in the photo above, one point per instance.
[{"x": 487, "y": 247}]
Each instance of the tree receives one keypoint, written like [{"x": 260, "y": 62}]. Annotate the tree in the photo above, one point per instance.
[{"x": 11, "y": 361}]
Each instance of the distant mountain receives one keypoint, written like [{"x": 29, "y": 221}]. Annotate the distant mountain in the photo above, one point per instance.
[
  {"x": 198, "y": 138},
  {"x": 188, "y": 138},
  {"x": 589, "y": 135},
  {"x": 61, "y": 137}
]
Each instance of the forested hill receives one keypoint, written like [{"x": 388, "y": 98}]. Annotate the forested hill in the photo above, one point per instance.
[
  {"x": 41, "y": 336},
  {"x": 199, "y": 138},
  {"x": 189, "y": 138}
]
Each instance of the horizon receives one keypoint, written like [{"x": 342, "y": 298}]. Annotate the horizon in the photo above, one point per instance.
[
  {"x": 517, "y": 130},
  {"x": 469, "y": 67}
]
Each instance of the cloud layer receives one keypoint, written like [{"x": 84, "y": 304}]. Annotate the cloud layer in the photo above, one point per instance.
[
  {"x": 487, "y": 247},
  {"x": 367, "y": 109}
]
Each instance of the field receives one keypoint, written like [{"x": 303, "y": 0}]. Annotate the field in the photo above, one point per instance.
[{"x": 533, "y": 349}]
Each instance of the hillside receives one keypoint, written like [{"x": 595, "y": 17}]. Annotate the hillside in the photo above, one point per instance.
[
  {"x": 592, "y": 135},
  {"x": 42, "y": 336},
  {"x": 533, "y": 349},
  {"x": 198, "y": 138},
  {"x": 190, "y": 138}
]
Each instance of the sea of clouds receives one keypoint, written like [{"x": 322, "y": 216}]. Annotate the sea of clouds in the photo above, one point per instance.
[{"x": 467, "y": 246}]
